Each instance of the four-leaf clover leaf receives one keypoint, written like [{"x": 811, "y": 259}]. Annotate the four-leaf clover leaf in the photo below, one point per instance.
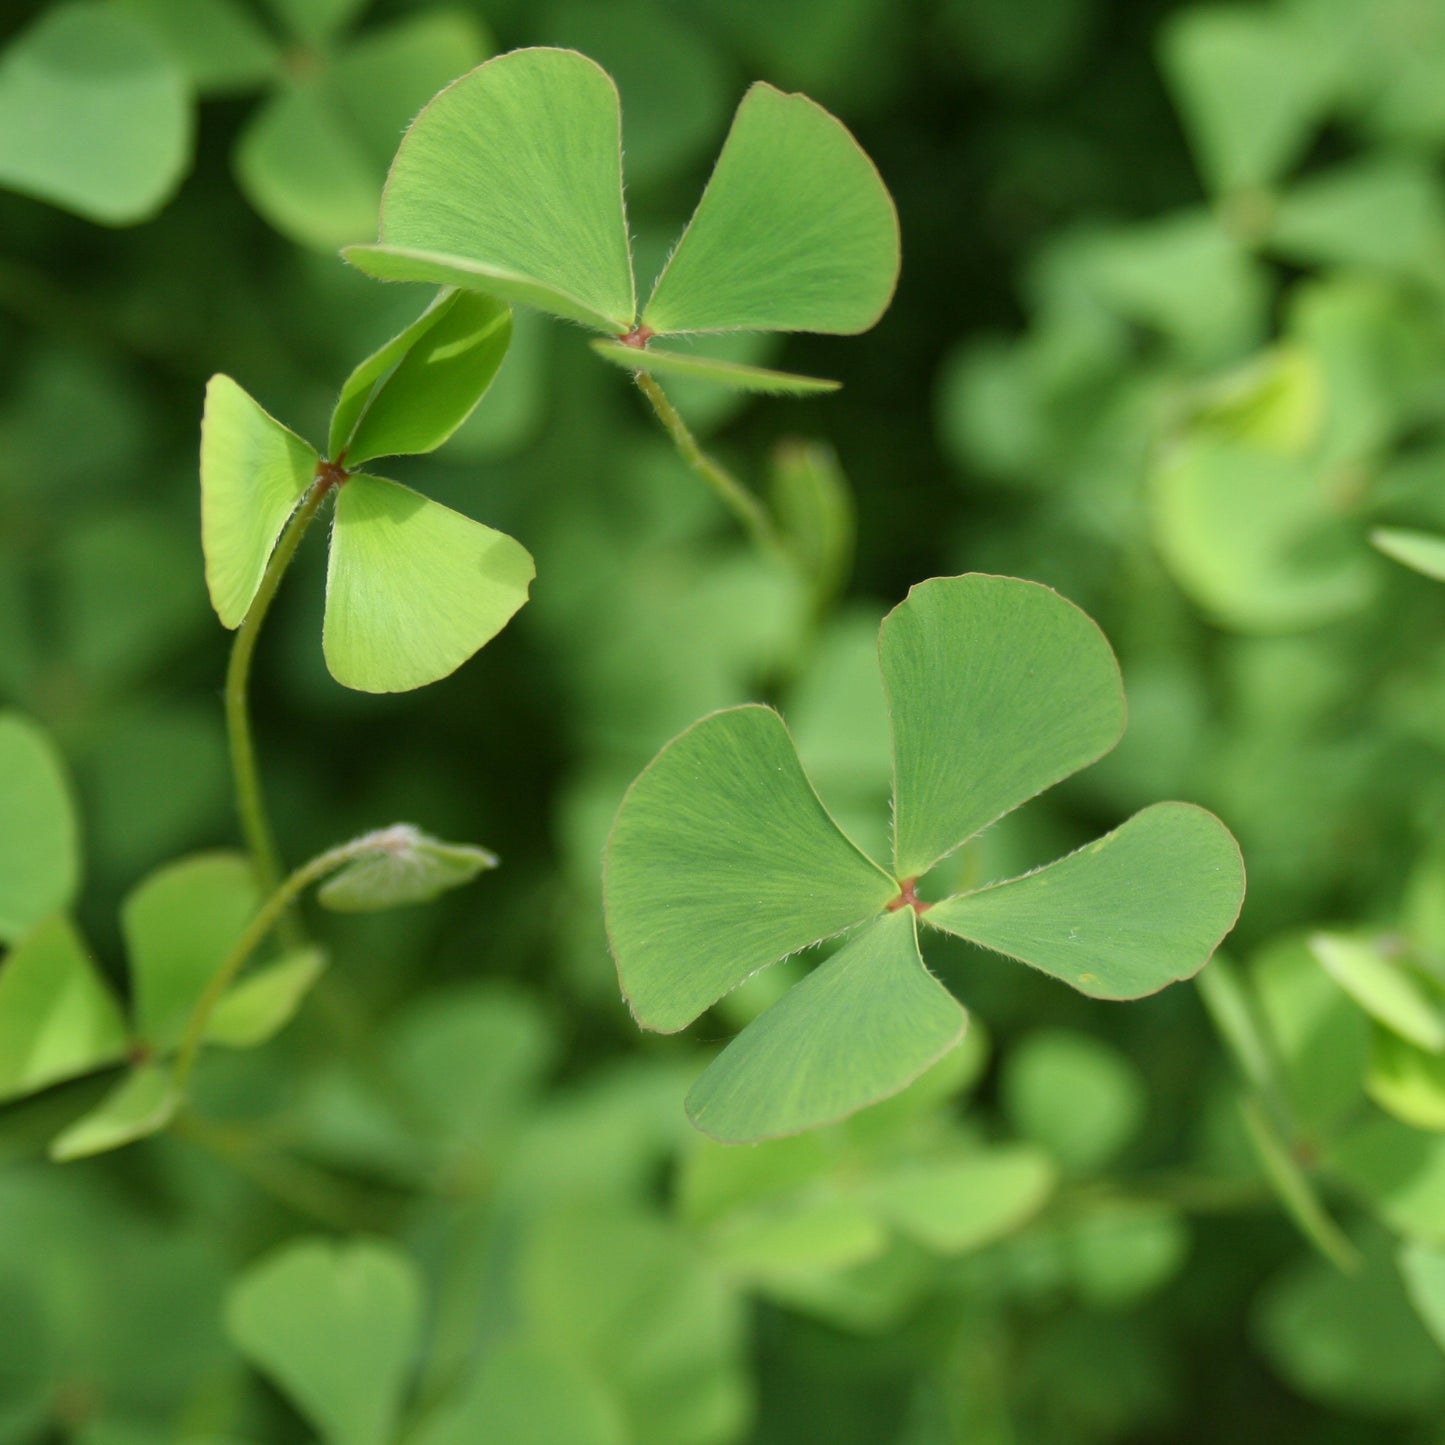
[{"x": 723, "y": 860}]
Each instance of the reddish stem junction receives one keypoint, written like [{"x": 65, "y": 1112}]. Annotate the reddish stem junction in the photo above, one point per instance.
[
  {"x": 638, "y": 337},
  {"x": 331, "y": 474},
  {"x": 908, "y": 897}
]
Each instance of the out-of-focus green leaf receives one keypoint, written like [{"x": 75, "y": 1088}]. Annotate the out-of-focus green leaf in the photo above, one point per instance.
[
  {"x": 413, "y": 588},
  {"x": 39, "y": 842},
  {"x": 253, "y": 473},
  {"x": 858, "y": 1029},
  {"x": 143, "y": 1103},
  {"x": 218, "y": 43},
  {"x": 1074, "y": 1095},
  {"x": 404, "y": 866},
  {"x": 315, "y": 21},
  {"x": 828, "y": 259},
  {"x": 1407, "y": 1081},
  {"x": 265, "y": 1001},
  {"x": 814, "y": 511},
  {"x": 997, "y": 689},
  {"x": 656, "y": 361},
  {"x": 1140, "y": 908},
  {"x": 94, "y": 114},
  {"x": 1399, "y": 1172},
  {"x": 723, "y": 861},
  {"x": 1423, "y": 1267},
  {"x": 1423, "y": 551},
  {"x": 1389, "y": 992},
  {"x": 58, "y": 1019},
  {"x": 336, "y": 1327}
]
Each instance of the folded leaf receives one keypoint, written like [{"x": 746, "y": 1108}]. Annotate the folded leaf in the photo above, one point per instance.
[
  {"x": 1405, "y": 1002},
  {"x": 143, "y": 1103},
  {"x": 58, "y": 1019},
  {"x": 722, "y": 861},
  {"x": 510, "y": 182},
  {"x": 406, "y": 867},
  {"x": 1424, "y": 551},
  {"x": 998, "y": 689},
  {"x": 732, "y": 374},
  {"x": 795, "y": 232},
  {"x": 1142, "y": 907},
  {"x": 859, "y": 1028},
  {"x": 253, "y": 473},
  {"x": 413, "y": 588},
  {"x": 265, "y": 1001}
]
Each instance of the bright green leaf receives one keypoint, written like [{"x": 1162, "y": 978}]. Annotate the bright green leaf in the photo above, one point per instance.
[
  {"x": 39, "y": 846},
  {"x": 1075, "y": 1095},
  {"x": 94, "y": 114},
  {"x": 179, "y": 926},
  {"x": 859, "y": 1028},
  {"x": 58, "y": 1019},
  {"x": 1122, "y": 917},
  {"x": 405, "y": 867},
  {"x": 954, "y": 1206},
  {"x": 827, "y": 259},
  {"x": 722, "y": 861},
  {"x": 437, "y": 383},
  {"x": 336, "y": 1327},
  {"x": 510, "y": 182},
  {"x": 733, "y": 374},
  {"x": 253, "y": 473},
  {"x": 143, "y": 1103},
  {"x": 1388, "y": 992},
  {"x": 413, "y": 588},
  {"x": 265, "y": 1001},
  {"x": 1423, "y": 1267},
  {"x": 998, "y": 689},
  {"x": 1407, "y": 1081},
  {"x": 1423, "y": 551},
  {"x": 818, "y": 1232}
]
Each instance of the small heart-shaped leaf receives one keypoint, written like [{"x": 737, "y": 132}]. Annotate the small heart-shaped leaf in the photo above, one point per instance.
[
  {"x": 510, "y": 182},
  {"x": 859, "y": 1028},
  {"x": 39, "y": 846},
  {"x": 722, "y": 861},
  {"x": 825, "y": 256},
  {"x": 253, "y": 473},
  {"x": 998, "y": 689},
  {"x": 1140, "y": 908},
  {"x": 58, "y": 1019},
  {"x": 336, "y": 1327},
  {"x": 413, "y": 588}
]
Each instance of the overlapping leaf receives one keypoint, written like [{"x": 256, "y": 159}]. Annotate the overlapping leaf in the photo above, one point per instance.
[
  {"x": 722, "y": 861},
  {"x": 510, "y": 183},
  {"x": 413, "y": 588}
]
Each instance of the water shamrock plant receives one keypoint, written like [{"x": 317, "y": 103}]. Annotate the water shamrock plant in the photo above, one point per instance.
[
  {"x": 510, "y": 183},
  {"x": 723, "y": 860}
]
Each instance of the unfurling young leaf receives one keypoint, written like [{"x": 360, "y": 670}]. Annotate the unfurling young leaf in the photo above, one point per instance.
[
  {"x": 510, "y": 183},
  {"x": 723, "y": 861},
  {"x": 402, "y": 866},
  {"x": 413, "y": 588}
]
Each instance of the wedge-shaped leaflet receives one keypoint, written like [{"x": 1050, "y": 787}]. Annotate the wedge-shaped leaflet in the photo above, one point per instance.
[
  {"x": 413, "y": 588},
  {"x": 58, "y": 1020},
  {"x": 1423, "y": 1268},
  {"x": 1143, "y": 907},
  {"x": 722, "y": 861},
  {"x": 1406, "y": 1002},
  {"x": 416, "y": 398},
  {"x": 795, "y": 231},
  {"x": 735, "y": 374},
  {"x": 997, "y": 689},
  {"x": 510, "y": 182},
  {"x": 253, "y": 473},
  {"x": 858, "y": 1028},
  {"x": 143, "y": 1103},
  {"x": 39, "y": 846},
  {"x": 336, "y": 1327},
  {"x": 1423, "y": 551}
]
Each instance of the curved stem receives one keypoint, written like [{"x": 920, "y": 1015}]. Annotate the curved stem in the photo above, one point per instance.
[
  {"x": 254, "y": 935},
  {"x": 748, "y": 510},
  {"x": 250, "y": 800}
]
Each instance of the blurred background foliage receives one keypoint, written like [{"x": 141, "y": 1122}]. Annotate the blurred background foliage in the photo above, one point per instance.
[{"x": 1168, "y": 338}]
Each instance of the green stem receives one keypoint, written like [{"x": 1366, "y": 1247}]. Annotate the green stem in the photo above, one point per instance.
[
  {"x": 254, "y": 935},
  {"x": 748, "y": 510},
  {"x": 250, "y": 800}
]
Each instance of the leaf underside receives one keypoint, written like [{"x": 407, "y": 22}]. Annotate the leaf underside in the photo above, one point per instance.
[
  {"x": 734, "y": 375},
  {"x": 413, "y": 588},
  {"x": 510, "y": 181},
  {"x": 1142, "y": 907},
  {"x": 997, "y": 689},
  {"x": 859, "y": 1028},
  {"x": 253, "y": 473},
  {"x": 722, "y": 861}
]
